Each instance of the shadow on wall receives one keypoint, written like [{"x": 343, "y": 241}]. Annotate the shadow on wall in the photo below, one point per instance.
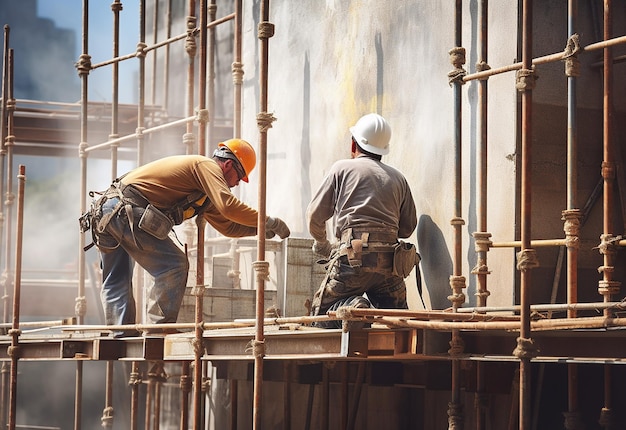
[
  {"x": 305, "y": 146},
  {"x": 436, "y": 264}
]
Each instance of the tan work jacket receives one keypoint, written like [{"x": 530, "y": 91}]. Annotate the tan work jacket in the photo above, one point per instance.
[{"x": 166, "y": 181}]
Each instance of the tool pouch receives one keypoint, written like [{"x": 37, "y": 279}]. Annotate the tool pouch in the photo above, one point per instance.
[
  {"x": 405, "y": 258},
  {"x": 354, "y": 247},
  {"x": 155, "y": 222}
]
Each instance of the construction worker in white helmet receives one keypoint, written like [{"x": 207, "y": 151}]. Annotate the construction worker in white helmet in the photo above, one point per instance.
[
  {"x": 132, "y": 220},
  {"x": 372, "y": 206}
]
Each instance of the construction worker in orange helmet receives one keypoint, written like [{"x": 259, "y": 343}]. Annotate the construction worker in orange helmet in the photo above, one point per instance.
[
  {"x": 132, "y": 220},
  {"x": 240, "y": 151}
]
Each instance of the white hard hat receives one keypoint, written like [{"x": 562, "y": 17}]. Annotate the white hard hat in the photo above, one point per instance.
[{"x": 372, "y": 133}]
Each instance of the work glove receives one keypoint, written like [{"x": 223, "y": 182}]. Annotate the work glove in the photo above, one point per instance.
[
  {"x": 322, "y": 248},
  {"x": 276, "y": 226}
]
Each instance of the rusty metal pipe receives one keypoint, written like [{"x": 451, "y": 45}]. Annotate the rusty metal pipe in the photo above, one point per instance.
[
  {"x": 237, "y": 70},
  {"x": 142, "y": 83},
  {"x": 116, "y": 7},
  {"x": 3, "y": 150},
  {"x": 608, "y": 286},
  {"x": 190, "y": 45},
  {"x": 150, "y": 388},
  {"x": 526, "y": 197},
  {"x": 482, "y": 269},
  {"x": 200, "y": 222},
  {"x": 166, "y": 55},
  {"x": 209, "y": 88},
  {"x": 135, "y": 382},
  {"x": 156, "y": 421},
  {"x": 107, "y": 413},
  {"x": 572, "y": 216},
  {"x": 15, "y": 331},
  {"x": 147, "y": 48},
  {"x": 83, "y": 67},
  {"x": 551, "y": 58},
  {"x": 4, "y": 261},
  {"x": 265, "y": 31},
  {"x": 546, "y": 307},
  {"x": 144, "y": 132},
  {"x": 155, "y": 37},
  {"x": 457, "y": 281},
  {"x": 185, "y": 389}
]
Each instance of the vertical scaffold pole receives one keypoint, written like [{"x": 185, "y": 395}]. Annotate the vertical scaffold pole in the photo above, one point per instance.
[
  {"x": 264, "y": 122},
  {"x": 457, "y": 280},
  {"x": 527, "y": 259},
  {"x": 116, "y": 7},
  {"x": 84, "y": 67},
  {"x": 608, "y": 286},
  {"x": 14, "y": 349},
  {"x": 203, "y": 117},
  {"x": 4, "y": 217}
]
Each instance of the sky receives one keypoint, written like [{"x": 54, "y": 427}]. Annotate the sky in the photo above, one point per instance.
[{"x": 68, "y": 14}]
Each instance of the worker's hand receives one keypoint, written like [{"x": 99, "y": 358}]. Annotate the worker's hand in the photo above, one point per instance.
[
  {"x": 276, "y": 226},
  {"x": 322, "y": 248}
]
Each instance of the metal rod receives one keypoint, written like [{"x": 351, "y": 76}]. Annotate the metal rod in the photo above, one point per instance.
[
  {"x": 572, "y": 216},
  {"x": 209, "y": 89},
  {"x": 185, "y": 388},
  {"x": 134, "y": 381},
  {"x": 9, "y": 196},
  {"x": 116, "y": 7},
  {"x": 526, "y": 197},
  {"x": 144, "y": 132},
  {"x": 108, "y": 413},
  {"x": 265, "y": 31},
  {"x": 533, "y": 243},
  {"x": 156, "y": 421},
  {"x": 15, "y": 330},
  {"x": 169, "y": 41},
  {"x": 482, "y": 269},
  {"x": 149, "y": 407},
  {"x": 547, "y": 307},
  {"x": 608, "y": 286},
  {"x": 190, "y": 46},
  {"x": 4, "y": 261},
  {"x": 513, "y": 326},
  {"x": 200, "y": 222},
  {"x": 81, "y": 308},
  {"x": 166, "y": 56},
  {"x": 155, "y": 36},
  {"x": 551, "y": 58},
  {"x": 457, "y": 280},
  {"x": 237, "y": 70},
  {"x": 142, "y": 83}
]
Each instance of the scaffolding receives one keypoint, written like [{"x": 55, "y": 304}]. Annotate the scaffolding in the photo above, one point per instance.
[{"x": 462, "y": 336}]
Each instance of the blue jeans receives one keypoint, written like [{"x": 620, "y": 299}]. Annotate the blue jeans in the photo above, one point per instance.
[{"x": 162, "y": 258}]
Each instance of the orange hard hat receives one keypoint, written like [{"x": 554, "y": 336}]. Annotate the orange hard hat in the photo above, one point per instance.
[{"x": 243, "y": 153}]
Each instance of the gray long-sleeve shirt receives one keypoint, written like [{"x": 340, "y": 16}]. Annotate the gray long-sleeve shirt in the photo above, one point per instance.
[{"x": 362, "y": 193}]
